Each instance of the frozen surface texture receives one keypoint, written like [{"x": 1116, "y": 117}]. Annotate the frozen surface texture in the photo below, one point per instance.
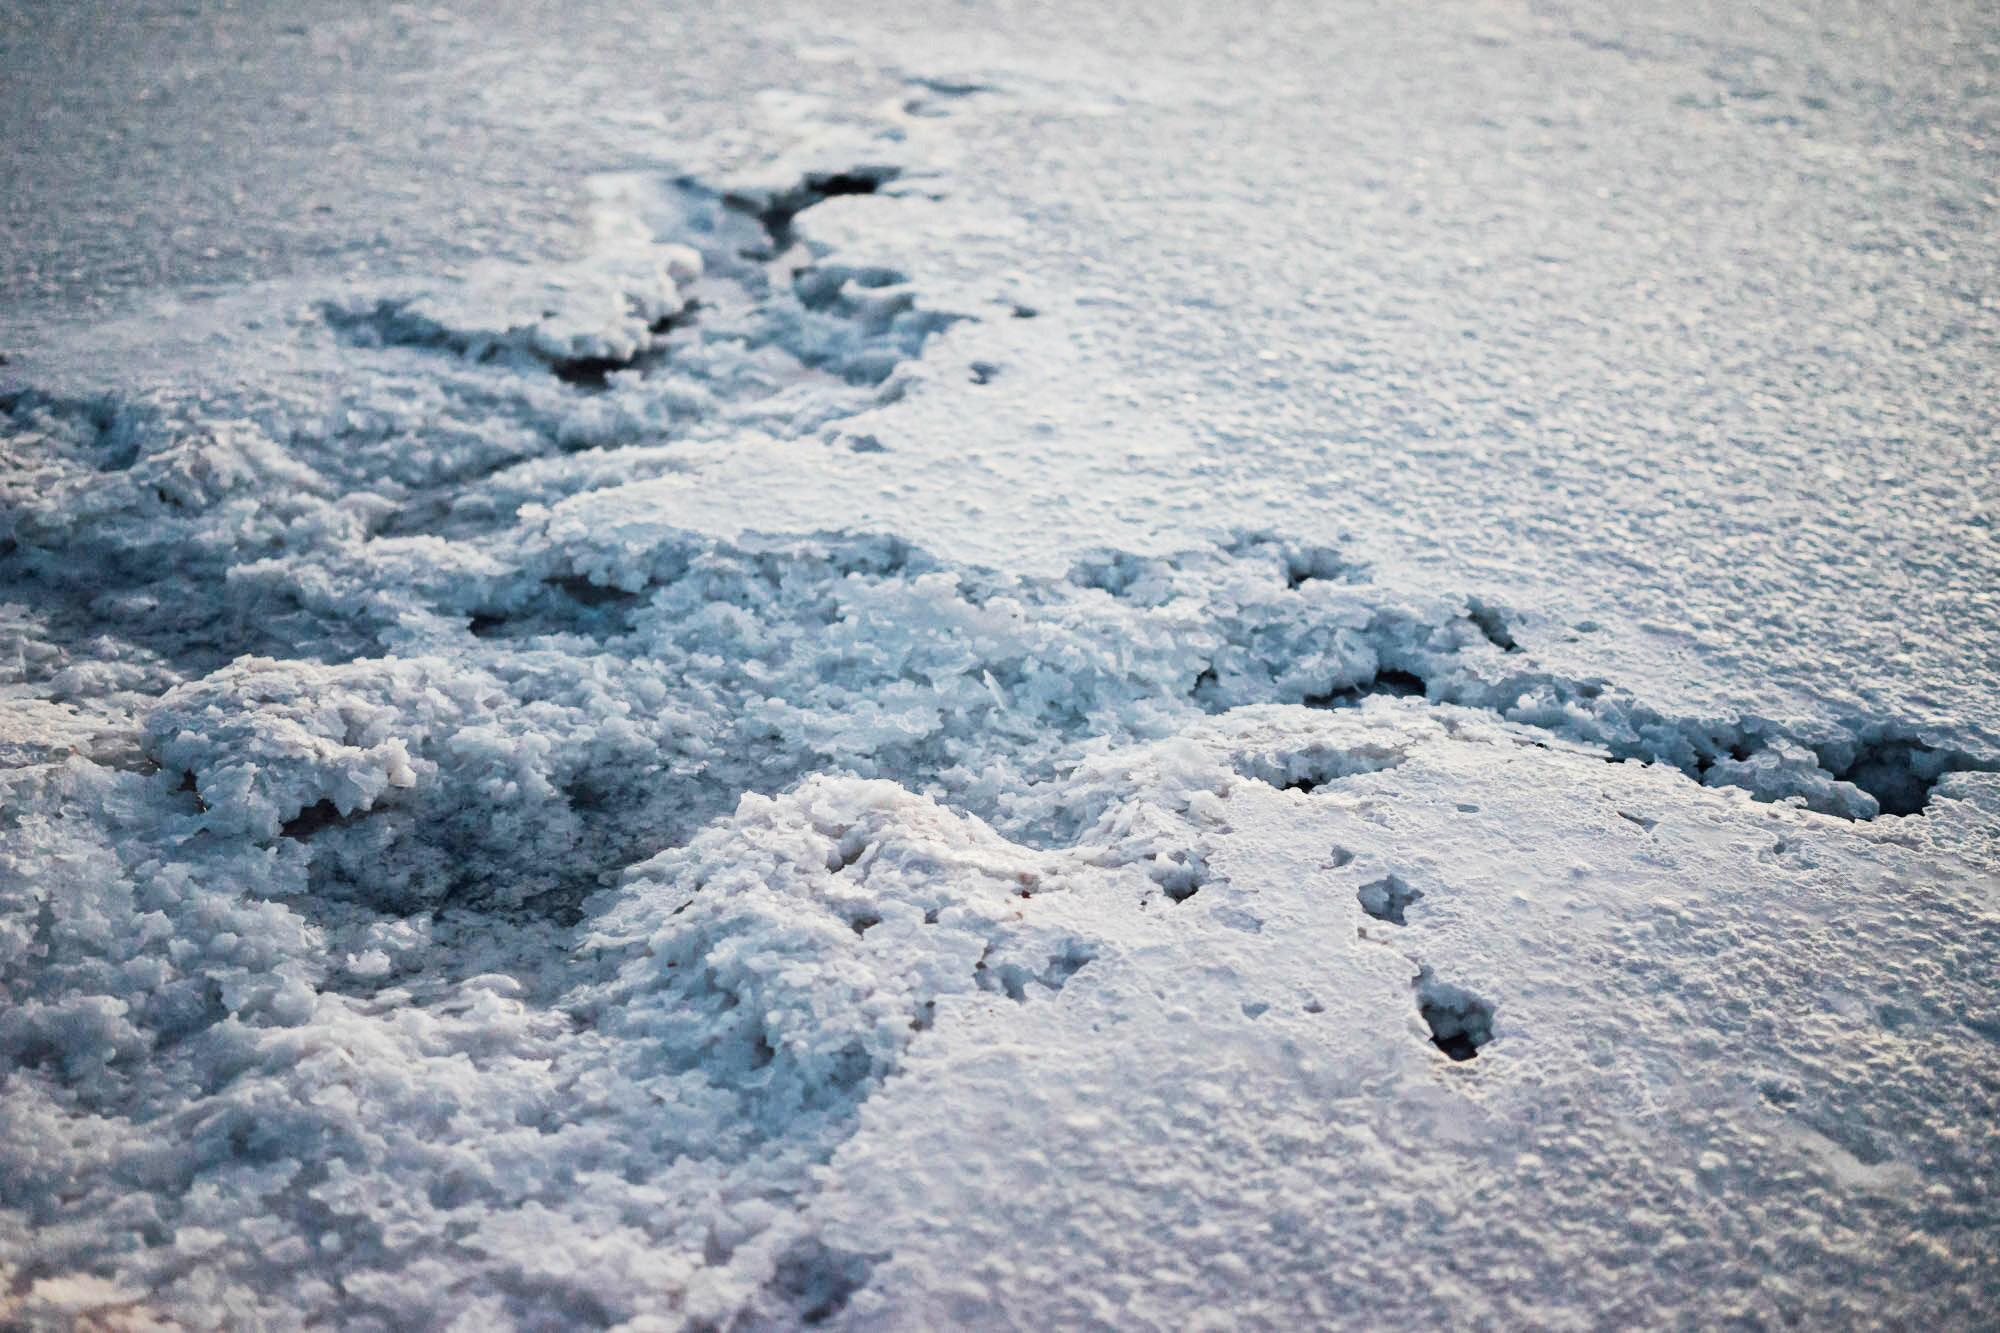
[{"x": 1338, "y": 674}]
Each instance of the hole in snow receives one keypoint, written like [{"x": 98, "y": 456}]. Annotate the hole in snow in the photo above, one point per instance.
[
  {"x": 1387, "y": 899},
  {"x": 849, "y": 182},
  {"x": 1390, "y": 681},
  {"x": 1305, "y": 564},
  {"x": 591, "y": 594},
  {"x": 317, "y": 818},
  {"x": 1460, "y": 1022},
  {"x": 587, "y": 372},
  {"x": 1180, "y": 874},
  {"x": 1899, "y": 773}
]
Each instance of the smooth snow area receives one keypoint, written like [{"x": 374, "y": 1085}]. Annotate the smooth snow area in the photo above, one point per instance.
[{"x": 1074, "y": 672}]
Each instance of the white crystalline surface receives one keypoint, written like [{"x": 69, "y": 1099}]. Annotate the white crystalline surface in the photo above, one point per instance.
[{"x": 768, "y": 774}]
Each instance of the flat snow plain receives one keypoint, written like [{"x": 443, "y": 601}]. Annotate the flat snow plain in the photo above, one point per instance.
[{"x": 1077, "y": 672}]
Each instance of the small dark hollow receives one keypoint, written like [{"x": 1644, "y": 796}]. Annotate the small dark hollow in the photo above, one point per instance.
[
  {"x": 1025, "y": 312},
  {"x": 680, "y": 319},
  {"x": 485, "y": 626},
  {"x": 950, "y": 87},
  {"x": 1180, "y": 875},
  {"x": 1460, "y": 1022},
  {"x": 1390, "y": 681},
  {"x": 1400, "y": 684},
  {"x": 315, "y": 818},
  {"x": 590, "y": 594},
  {"x": 843, "y": 182},
  {"x": 587, "y": 372},
  {"x": 983, "y": 372},
  {"x": 1313, "y": 562},
  {"x": 1901, "y": 773},
  {"x": 1388, "y": 899}
]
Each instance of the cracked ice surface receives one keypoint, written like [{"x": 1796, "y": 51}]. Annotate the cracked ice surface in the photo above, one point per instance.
[{"x": 717, "y": 783}]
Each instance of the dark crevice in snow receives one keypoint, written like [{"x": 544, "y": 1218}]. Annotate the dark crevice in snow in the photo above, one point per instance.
[
  {"x": 1898, "y": 771},
  {"x": 1387, "y": 899},
  {"x": 946, "y": 87},
  {"x": 593, "y": 595},
  {"x": 1388, "y": 682},
  {"x": 774, "y": 211},
  {"x": 1460, "y": 1021},
  {"x": 562, "y": 605},
  {"x": 1866, "y": 770},
  {"x": 590, "y": 372},
  {"x": 317, "y": 818}
]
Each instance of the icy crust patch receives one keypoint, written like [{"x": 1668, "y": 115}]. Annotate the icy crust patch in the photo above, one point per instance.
[
  {"x": 691, "y": 320},
  {"x": 723, "y": 287},
  {"x": 287, "y": 1093},
  {"x": 206, "y": 1124}
]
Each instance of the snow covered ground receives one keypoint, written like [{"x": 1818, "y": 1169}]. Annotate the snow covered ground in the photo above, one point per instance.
[{"x": 1055, "y": 670}]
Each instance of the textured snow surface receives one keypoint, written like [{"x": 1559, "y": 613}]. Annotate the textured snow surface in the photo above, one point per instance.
[{"x": 947, "y": 725}]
